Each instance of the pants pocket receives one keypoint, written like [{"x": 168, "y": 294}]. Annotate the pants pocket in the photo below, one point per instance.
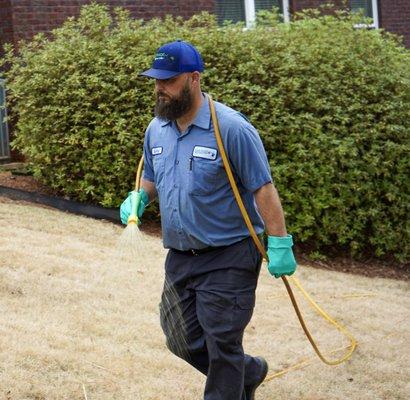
[
  {"x": 255, "y": 254},
  {"x": 245, "y": 301},
  {"x": 243, "y": 311}
]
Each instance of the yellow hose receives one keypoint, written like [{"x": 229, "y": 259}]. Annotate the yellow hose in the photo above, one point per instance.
[
  {"x": 133, "y": 219},
  {"x": 353, "y": 342},
  {"x": 139, "y": 172}
]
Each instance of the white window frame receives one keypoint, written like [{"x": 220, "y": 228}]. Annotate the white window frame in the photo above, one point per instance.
[
  {"x": 375, "y": 8},
  {"x": 250, "y": 14},
  {"x": 375, "y": 17}
]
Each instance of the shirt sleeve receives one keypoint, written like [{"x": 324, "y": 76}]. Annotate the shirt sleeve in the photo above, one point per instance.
[
  {"x": 148, "y": 172},
  {"x": 248, "y": 157}
]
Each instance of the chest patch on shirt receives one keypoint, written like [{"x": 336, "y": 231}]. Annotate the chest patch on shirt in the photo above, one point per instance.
[
  {"x": 156, "y": 150},
  {"x": 205, "y": 152}
]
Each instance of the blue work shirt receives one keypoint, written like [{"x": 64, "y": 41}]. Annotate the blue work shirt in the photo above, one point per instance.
[{"x": 197, "y": 205}]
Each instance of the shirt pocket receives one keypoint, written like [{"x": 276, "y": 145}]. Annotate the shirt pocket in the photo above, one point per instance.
[
  {"x": 158, "y": 164},
  {"x": 205, "y": 177}
]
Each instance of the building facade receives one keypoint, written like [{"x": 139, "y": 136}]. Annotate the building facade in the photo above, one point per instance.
[{"x": 21, "y": 19}]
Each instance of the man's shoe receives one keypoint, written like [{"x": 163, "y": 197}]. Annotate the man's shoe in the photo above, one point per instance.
[{"x": 250, "y": 390}]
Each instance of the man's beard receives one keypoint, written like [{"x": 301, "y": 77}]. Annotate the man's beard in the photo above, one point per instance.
[{"x": 176, "y": 107}]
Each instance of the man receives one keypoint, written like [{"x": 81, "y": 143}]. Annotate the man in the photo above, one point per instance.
[{"x": 212, "y": 264}]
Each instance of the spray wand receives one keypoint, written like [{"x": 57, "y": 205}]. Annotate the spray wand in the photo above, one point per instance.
[
  {"x": 130, "y": 244},
  {"x": 136, "y": 196}
]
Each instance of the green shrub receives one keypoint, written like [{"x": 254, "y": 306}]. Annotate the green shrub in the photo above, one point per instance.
[{"x": 331, "y": 103}]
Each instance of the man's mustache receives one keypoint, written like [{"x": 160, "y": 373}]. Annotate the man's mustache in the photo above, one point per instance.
[{"x": 160, "y": 93}]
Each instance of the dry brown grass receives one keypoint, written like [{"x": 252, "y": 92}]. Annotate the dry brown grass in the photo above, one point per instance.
[{"x": 78, "y": 323}]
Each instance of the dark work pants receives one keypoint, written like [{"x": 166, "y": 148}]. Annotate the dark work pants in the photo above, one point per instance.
[{"x": 215, "y": 294}]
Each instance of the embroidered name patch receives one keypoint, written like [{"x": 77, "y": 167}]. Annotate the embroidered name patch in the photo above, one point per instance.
[
  {"x": 205, "y": 152},
  {"x": 156, "y": 150}
]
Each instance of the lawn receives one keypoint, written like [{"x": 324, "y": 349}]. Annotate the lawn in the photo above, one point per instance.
[{"x": 78, "y": 322}]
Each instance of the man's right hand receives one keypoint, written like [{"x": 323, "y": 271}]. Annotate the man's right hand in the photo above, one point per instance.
[{"x": 125, "y": 209}]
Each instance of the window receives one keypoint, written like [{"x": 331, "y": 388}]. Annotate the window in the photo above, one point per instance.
[
  {"x": 245, "y": 10},
  {"x": 368, "y": 8},
  {"x": 268, "y": 5},
  {"x": 232, "y": 10}
]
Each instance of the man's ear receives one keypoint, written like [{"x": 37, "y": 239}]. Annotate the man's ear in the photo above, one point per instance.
[{"x": 196, "y": 77}]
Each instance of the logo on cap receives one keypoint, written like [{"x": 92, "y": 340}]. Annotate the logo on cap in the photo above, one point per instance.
[{"x": 164, "y": 56}]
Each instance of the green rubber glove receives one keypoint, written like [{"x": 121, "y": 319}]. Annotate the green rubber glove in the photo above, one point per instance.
[
  {"x": 280, "y": 254},
  {"x": 126, "y": 206}
]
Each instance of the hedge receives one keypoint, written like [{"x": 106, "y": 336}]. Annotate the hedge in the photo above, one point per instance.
[{"x": 331, "y": 103}]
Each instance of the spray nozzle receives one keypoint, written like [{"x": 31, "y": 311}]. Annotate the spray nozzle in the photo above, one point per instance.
[{"x": 135, "y": 201}]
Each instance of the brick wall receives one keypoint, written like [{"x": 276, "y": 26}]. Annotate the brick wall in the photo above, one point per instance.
[
  {"x": 21, "y": 19},
  {"x": 6, "y": 22},
  {"x": 395, "y": 17}
]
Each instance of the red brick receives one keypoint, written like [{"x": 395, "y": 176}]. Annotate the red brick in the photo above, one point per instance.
[
  {"x": 395, "y": 17},
  {"x": 26, "y": 17}
]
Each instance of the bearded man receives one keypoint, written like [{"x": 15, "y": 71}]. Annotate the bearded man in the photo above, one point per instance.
[{"x": 212, "y": 264}]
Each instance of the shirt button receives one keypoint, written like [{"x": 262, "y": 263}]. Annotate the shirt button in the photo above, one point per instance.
[
  {"x": 177, "y": 162},
  {"x": 174, "y": 209},
  {"x": 175, "y": 185}
]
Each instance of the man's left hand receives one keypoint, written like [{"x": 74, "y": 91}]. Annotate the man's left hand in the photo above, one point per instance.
[{"x": 280, "y": 254}]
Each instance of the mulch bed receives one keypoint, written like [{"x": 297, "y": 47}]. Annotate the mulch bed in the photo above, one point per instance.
[
  {"x": 23, "y": 182},
  {"x": 371, "y": 267}
]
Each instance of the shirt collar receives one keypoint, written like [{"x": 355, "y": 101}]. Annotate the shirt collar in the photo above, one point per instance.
[
  {"x": 202, "y": 118},
  {"x": 164, "y": 122}
]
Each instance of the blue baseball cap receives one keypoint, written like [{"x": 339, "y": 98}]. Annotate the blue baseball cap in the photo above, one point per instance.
[{"x": 173, "y": 59}]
